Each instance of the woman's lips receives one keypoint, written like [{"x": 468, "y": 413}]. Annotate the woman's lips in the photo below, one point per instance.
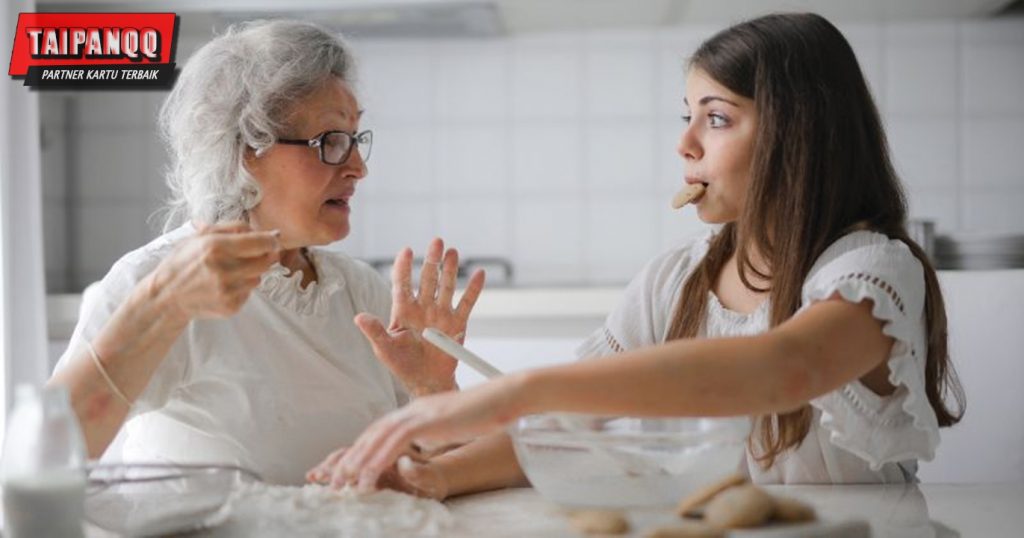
[
  {"x": 340, "y": 200},
  {"x": 338, "y": 204}
]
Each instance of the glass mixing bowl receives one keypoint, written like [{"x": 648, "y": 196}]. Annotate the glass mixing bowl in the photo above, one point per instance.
[
  {"x": 152, "y": 499},
  {"x": 618, "y": 462}
]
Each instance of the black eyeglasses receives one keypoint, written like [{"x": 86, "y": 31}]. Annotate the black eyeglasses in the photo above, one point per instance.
[{"x": 336, "y": 146}]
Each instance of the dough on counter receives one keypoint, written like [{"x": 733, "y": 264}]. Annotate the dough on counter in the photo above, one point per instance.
[
  {"x": 699, "y": 498},
  {"x": 269, "y": 511},
  {"x": 687, "y": 529},
  {"x": 792, "y": 511},
  {"x": 599, "y": 522},
  {"x": 740, "y": 507}
]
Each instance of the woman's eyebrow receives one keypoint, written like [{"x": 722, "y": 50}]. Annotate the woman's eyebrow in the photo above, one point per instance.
[
  {"x": 342, "y": 113},
  {"x": 708, "y": 98}
]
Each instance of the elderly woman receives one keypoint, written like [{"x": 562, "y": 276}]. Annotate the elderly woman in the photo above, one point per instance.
[{"x": 229, "y": 339}]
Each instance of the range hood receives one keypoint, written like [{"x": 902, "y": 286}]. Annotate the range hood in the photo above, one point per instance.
[
  {"x": 486, "y": 18},
  {"x": 415, "y": 20}
]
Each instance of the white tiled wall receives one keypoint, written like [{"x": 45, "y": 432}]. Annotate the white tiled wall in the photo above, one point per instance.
[{"x": 557, "y": 151}]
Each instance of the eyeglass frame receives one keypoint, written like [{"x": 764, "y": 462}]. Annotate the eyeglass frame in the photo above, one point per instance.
[{"x": 318, "y": 142}]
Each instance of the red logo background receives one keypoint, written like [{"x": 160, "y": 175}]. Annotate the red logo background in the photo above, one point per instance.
[{"x": 21, "y": 53}]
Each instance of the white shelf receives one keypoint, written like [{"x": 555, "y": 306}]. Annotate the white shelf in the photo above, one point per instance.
[{"x": 533, "y": 303}]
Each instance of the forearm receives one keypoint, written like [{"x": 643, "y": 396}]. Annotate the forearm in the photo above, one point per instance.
[
  {"x": 485, "y": 464},
  {"x": 688, "y": 377},
  {"x": 131, "y": 347},
  {"x": 832, "y": 343},
  {"x": 428, "y": 387}
]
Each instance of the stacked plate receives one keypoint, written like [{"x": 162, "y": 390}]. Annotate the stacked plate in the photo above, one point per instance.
[{"x": 979, "y": 251}]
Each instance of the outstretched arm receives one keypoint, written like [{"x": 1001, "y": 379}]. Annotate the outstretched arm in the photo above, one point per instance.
[
  {"x": 816, "y": 352},
  {"x": 830, "y": 344}
]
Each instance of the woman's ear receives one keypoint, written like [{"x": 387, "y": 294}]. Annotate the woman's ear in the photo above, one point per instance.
[{"x": 250, "y": 158}]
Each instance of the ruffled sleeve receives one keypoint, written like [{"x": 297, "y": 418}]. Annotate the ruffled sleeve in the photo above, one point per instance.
[
  {"x": 879, "y": 429},
  {"x": 646, "y": 308}
]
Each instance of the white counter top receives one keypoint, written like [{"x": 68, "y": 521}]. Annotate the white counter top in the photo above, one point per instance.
[{"x": 929, "y": 510}]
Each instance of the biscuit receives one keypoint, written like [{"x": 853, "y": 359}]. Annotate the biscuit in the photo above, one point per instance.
[
  {"x": 792, "y": 511},
  {"x": 740, "y": 507},
  {"x": 689, "y": 506},
  {"x": 599, "y": 522},
  {"x": 688, "y": 529},
  {"x": 687, "y": 194}
]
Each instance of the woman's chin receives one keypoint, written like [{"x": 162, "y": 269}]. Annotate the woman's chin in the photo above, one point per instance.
[
  {"x": 337, "y": 233},
  {"x": 709, "y": 214},
  {"x": 326, "y": 235}
]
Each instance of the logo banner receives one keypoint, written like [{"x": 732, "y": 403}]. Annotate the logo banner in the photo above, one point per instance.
[{"x": 95, "y": 50}]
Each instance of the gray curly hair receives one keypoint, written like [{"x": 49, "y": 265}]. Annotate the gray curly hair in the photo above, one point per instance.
[{"x": 233, "y": 94}]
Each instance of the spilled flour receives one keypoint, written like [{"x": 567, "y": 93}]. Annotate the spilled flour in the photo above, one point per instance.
[{"x": 314, "y": 510}]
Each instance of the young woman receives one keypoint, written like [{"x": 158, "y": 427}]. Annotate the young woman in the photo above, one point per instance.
[{"x": 809, "y": 308}]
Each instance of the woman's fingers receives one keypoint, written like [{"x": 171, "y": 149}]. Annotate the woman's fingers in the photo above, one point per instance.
[
  {"x": 353, "y": 463},
  {"x": 246, "y": 268},
  {"x": 383, "y": 453},
  {"x": 380, "y": 339},
  {"x": 372, "y": 328},
  {"x": 357, "y": 467},
  {"x": 231, "y": 247},
  {"x": 432, "y": 304},
  {"x": 234, "y": 226},
  {"x": 437, "y": 418},
  {"x": 472, "y": 293},
  {"x": 422, "y": 478},
  {"x": 240, "y": 254},
  {"x": 248, "y": 244},
  {"x": 245, "y": 274},
  {"x": 322, "y": 471},
  {"x": 401, "y": 277},
  {"x": 386, "y": 444},
  {"x": 429, "y": 271},
  {"x": 344, "y": 471},
  {"x": 449, "y": 275},
  {"x": 411, "y": 474}
]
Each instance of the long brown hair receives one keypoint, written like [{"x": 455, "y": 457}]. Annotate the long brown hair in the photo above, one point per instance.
[{"x": 821, "y": 168}]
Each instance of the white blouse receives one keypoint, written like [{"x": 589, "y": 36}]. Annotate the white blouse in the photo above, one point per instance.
[
  {"x": 856, "y": 435},
  {"x": 275, "y": 387}
]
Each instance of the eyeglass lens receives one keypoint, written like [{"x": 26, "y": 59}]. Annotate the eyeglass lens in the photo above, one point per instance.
[{"x": 337, "y": 146}]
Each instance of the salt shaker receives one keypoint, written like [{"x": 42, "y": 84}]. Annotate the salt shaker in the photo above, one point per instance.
[{"x": 43, "y": 474}]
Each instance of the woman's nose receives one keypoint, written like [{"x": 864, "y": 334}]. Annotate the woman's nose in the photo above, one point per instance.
[
  {"x": 689, "y": 148},
  {"x": 355, "y": 166}
]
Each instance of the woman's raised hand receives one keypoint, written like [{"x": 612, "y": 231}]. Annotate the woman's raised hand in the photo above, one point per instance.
[
  {"x": 423, "y": 368},
  {"x": 212, "y": 273}
]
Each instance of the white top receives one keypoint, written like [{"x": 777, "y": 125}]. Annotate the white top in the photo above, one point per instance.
[
  {"x": 275, "y": 387},
  {"x": 856, "y": 436}
]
